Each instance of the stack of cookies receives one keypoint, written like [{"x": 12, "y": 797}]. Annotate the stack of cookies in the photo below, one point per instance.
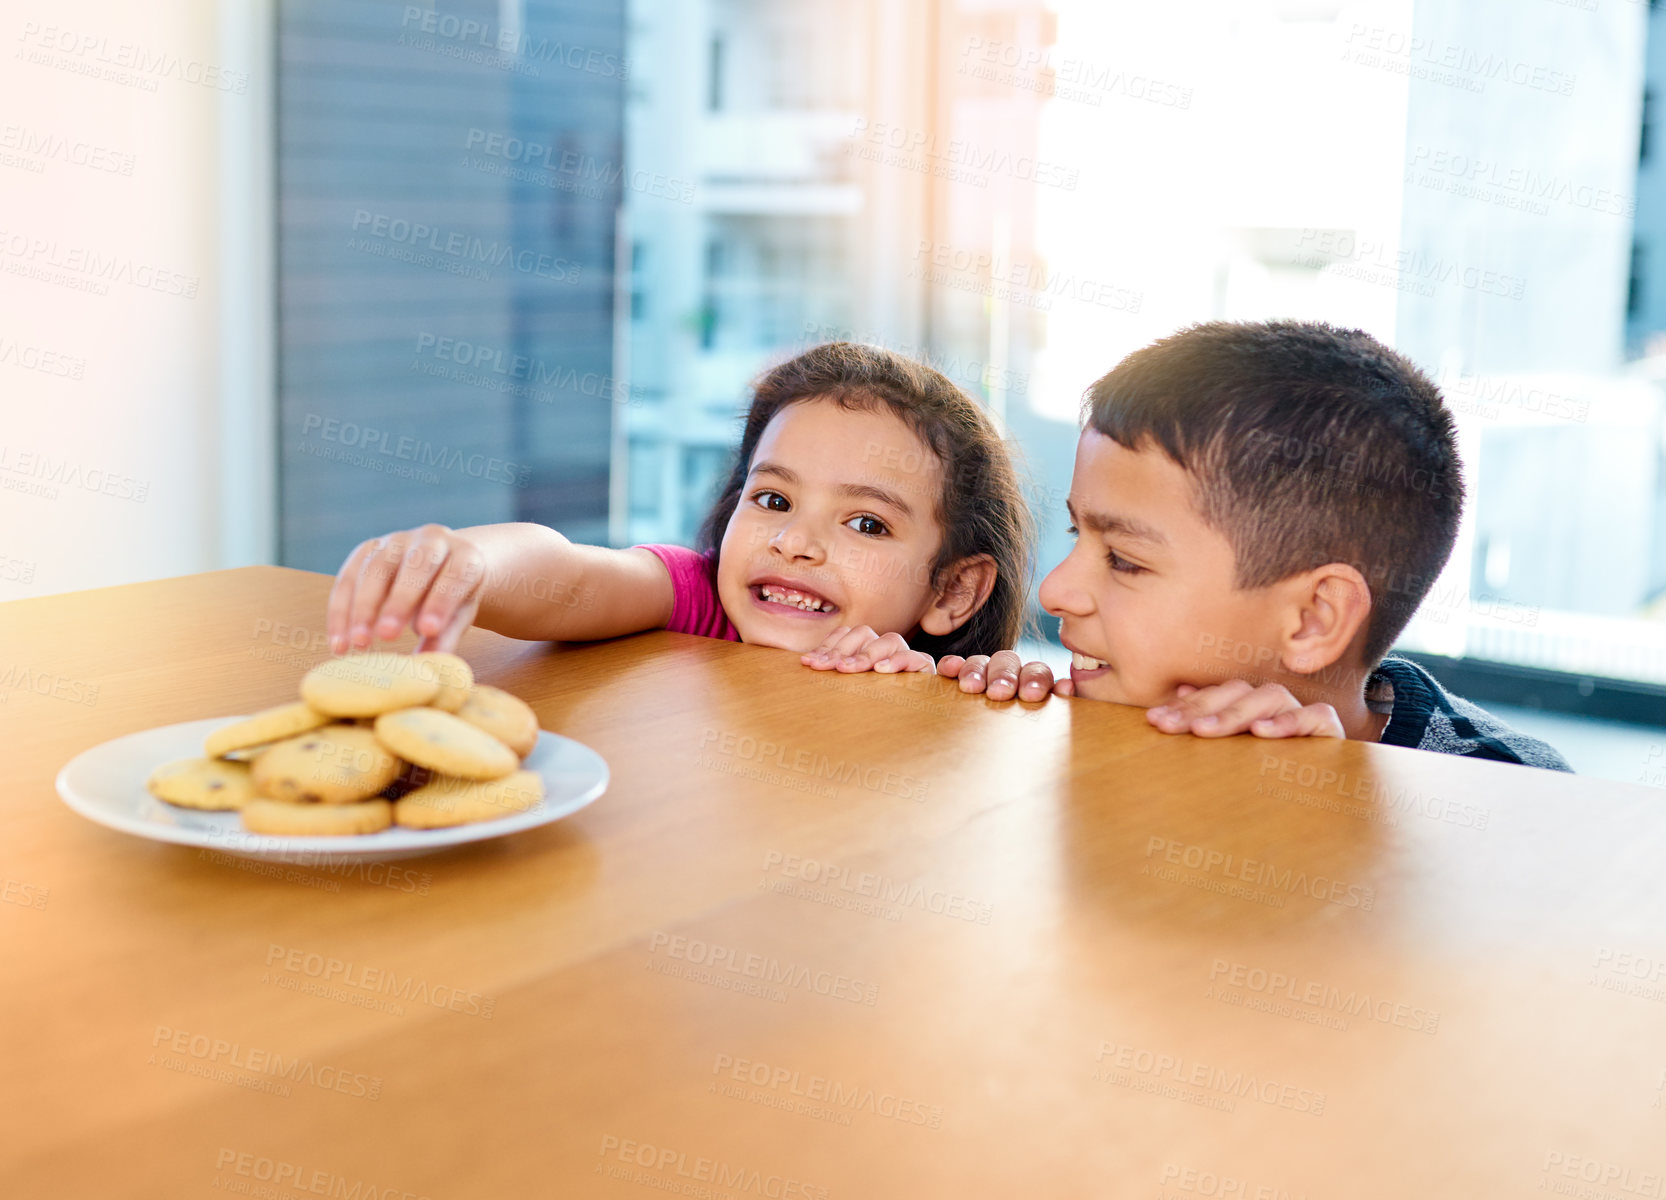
[{"x": 377, "y": 739}]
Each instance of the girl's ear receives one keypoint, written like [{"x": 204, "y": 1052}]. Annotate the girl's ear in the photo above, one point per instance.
[{"x": 965, "y": 588}]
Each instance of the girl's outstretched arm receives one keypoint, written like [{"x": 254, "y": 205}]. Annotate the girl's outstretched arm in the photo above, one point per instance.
[{"x": 520, "y": 579}]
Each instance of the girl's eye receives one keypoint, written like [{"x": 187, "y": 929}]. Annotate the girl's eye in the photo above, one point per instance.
[
  {"x": 1071, "y": 530},
  {"x": 773, "y": 501},
  {"x": 871, "y": 526}
]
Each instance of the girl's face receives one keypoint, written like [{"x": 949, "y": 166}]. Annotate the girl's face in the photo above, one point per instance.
[{"x": 836, "y": 525}]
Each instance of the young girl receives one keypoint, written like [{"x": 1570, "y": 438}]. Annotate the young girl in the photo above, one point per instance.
[{"x": 870, "y": 502}]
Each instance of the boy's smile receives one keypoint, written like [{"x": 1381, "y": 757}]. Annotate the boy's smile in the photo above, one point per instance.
[{"x": 1146, "y": 597}]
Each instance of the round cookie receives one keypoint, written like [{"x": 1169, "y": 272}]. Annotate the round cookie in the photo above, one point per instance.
[
  {"x": 444, "y": 743},
  {"x": 210, "y": 784},
  {"x": 317, "y": 820},
  {"x": 369, "y": 683},
  {"x": 448, "y": 801},
  {"x": 269, "y": 725},
  {"x": 339, "y": 764},
  {"x": 456, "y": 678},
  {"x": 507, "y": 718}
]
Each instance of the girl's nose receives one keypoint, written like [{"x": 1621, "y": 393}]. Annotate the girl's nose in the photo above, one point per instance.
[
  {"x": 796, "y": 542},
  {"x": 1060, "y": 595}
]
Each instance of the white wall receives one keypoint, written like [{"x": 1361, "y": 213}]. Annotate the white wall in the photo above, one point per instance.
[{"x": 135, "y": 393}]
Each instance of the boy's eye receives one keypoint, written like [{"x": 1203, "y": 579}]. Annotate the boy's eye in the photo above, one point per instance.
[
  {"x": 1116, "y": 561},
  {"x": 872, "y": 526},
  {"x": 774, "y": 501}
]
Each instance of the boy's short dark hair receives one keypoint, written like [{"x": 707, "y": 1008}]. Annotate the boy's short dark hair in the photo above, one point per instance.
[{"x": 1309, "y": 445}]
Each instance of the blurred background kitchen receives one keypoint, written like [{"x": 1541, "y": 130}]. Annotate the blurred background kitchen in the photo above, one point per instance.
[{"x": 279, "y": 275}]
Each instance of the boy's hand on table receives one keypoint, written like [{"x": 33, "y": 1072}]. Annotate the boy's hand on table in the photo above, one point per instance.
[
  {"x": 851, "y": 650},
  {"x": 1234, "y": 707},
  {"x": 1004, "y": 676},
  {"x": 428, "y": 578}
]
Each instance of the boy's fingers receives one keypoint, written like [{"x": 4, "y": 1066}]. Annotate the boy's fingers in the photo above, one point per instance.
[
  {"x": 1184, "y": 690},
  {"x": 949, "y": 666},
  {"x": 1002, "y": 675},
  {"x": 1316, "y": 720},
  {"x": 1179, "y": 715},
  {"x": 1281, "y": 726},
  {"x": 1035, "y": 680},
  {"x": 972, "y": 673},
  {"x": 1064, "y": 688},
  {"x": 376, "y": 576},
  {"x": 1268, "y": 700}
]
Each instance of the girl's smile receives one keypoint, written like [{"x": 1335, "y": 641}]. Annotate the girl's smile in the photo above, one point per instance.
[{"x": 780, "y": 596}]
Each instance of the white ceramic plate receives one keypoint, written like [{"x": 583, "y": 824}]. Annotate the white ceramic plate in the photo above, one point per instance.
[{"x": 107, "y": 784}]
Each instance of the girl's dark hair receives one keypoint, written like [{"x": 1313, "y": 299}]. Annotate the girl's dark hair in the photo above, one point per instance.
[{"x": 980, "y": 508}]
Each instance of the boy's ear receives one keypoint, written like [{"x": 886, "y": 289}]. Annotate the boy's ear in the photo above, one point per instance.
[
  {"x": 966, "y": 586},
  {"x": 1332, "y": 605}
]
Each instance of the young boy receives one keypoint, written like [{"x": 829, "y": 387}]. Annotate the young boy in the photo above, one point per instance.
[{"x": 1259, "y": 510}]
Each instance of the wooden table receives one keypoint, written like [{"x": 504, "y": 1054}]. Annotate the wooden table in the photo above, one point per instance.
[{"x": 824, "y": 936}]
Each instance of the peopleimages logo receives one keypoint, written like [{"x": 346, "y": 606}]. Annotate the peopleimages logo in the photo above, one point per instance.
[
  {"x": 578, "y": 169},
  {"x": 214, "y": 1057},
  {"x": 1189, "y": 1080},
  {"x": 473, "y": 32},
  {"x": 479, "y": 363},
  {"x": 764, "y": 968},
  {"x": 367, "y": 440},
  {"x": 1260, "y": 873},
  {"x": 811, "y": 764},
  {"x": 1350, "y": 1002},
  {"x": 843, "y": 1097},
  {"x": 464, "y": 248}
]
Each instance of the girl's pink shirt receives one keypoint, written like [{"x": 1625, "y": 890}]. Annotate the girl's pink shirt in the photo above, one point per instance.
[{"x": 694, "y": 604}]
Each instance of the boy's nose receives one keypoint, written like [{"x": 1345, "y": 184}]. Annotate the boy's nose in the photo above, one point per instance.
[{"x": 1060, "y": 596}]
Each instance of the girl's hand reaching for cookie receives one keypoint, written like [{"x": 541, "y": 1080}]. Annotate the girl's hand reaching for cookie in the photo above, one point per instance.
[
  {"x": 1003, "y": 676},
  {"x": 429, "y": 579},
  {"x": 861, "y": 649}
]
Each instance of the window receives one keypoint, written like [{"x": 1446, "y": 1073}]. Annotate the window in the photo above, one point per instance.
[
  {"x": 1022, "y": 193},
  {"x": 448, "y": 186},
  {"x": 714, "y": 76},
  {"x": 1645, "y": 133},
  {"x": 1634, "y": 280},
  {"x": 1016, "y": 192}
]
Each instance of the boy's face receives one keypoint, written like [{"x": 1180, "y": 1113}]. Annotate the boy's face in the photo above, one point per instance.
[{"x": 1148, "y": 588}]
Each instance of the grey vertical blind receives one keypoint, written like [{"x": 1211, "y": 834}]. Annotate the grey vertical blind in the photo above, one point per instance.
[{"x": 448, "y": 184}]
